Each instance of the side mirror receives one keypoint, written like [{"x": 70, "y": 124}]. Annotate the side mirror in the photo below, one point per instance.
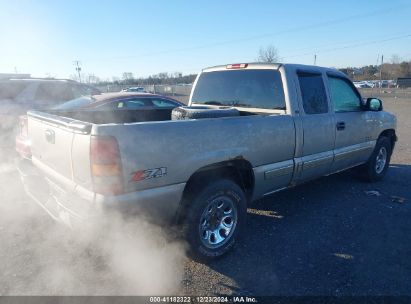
[{"x": 373, "y": 104}]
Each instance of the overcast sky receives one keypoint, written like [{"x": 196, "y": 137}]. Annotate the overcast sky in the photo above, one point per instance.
[{"x": 147, "y": 37}]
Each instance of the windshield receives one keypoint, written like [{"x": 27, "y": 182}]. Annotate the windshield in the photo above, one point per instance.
[
  {"x": 243, "y": 88},
  {"x": 75, "y": 103}
]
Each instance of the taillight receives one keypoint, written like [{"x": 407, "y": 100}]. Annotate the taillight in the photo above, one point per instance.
[
  {"x": 23, "y": 126},
  {"x": 237, "y": 66},
  {"x": 106, "y": 165}
]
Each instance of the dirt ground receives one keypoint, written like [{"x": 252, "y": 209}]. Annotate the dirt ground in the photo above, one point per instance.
[{"x": 327, "y": 237}]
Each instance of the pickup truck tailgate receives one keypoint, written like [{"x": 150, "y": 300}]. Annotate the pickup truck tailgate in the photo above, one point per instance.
[{"x": 60, "y": 146}]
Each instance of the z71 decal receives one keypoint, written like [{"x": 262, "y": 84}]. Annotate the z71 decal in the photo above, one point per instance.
[{"x": 149, "y": 174}]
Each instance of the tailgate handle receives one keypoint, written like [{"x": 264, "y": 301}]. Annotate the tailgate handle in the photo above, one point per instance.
[{"x": 50, "y": 136}]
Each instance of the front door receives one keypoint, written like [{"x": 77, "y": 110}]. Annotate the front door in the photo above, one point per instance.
[{"x": 353, "y": 142}]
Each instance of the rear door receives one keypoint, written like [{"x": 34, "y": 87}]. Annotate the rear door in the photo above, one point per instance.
[
  {"x": 353, "y": 141},
  {"x": 318, "y": 126}
]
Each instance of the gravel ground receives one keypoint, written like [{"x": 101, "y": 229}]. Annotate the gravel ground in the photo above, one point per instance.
[{"x": 326, "y": 237}]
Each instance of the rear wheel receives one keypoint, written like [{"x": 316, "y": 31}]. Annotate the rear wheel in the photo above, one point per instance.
[
  {"x": 377, "y": 165},
  {"x": 214, "y": 219}
]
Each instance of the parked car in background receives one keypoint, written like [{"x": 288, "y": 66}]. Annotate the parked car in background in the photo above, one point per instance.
[
  {"x": 370, "y": 84},
  {"x": 362, "y": 84},
  {"x": 102, "y": 104},
  {"x": 17, "y": 96},
  {"x": 120, "y": 100},
  {"x": 135, "y": 89}
]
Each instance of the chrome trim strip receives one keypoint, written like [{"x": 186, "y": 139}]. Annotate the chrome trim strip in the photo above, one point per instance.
[
  {"x": 318, "y": 159},
  {"x": 317, "y": 162},
  {"x": 274, "y": 191},
  {"x": 270, "y": 174},
  {"x": 346, "y": 152}
]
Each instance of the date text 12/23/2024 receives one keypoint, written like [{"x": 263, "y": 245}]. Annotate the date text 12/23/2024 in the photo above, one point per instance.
[{"x": 201, "y": 299}]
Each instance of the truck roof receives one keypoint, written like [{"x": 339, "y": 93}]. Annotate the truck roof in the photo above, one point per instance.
[{"x": 275, "y": 66}]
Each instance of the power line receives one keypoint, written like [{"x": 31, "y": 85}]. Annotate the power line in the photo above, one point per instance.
[
  {"x": 316, "y": 51},
  {"x": 256, "y": 37},
  {"x": 341, "y": 43},
  {"x": 352, "y": 45}
]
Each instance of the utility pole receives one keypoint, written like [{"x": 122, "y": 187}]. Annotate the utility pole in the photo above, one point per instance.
[
  {"x": 315, "y": 59},
  {"x": 78, "y": 69},
  {"x": 382, "y": 62}
]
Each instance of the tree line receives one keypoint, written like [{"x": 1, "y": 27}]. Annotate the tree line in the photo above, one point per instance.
[
  {"x": 396, "y": 68},
  {"x": 156, "y": 79},
  {"x": 372, "y": 72}
]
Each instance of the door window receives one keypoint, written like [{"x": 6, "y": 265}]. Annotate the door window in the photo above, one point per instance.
[
  {"x": 163, "y": 103},
  {"x": 313, "y": 93},
  {"x": 343, "y": 95},
  {"x": 137, "y": 103},
  {"x": 132, "y": 103}
]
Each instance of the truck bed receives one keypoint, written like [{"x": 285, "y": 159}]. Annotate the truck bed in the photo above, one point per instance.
[
  {"x": 118, "y": 116},
  {"x": 61, "y": 143}
]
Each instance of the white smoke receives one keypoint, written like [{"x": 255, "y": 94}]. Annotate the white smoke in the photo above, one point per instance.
[{"x": 107, "y": 256}]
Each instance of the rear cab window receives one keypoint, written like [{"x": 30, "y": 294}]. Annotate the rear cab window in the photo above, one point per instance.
[{"x": 242, "y": 88}]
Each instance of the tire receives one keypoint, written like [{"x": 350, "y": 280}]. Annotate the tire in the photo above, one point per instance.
[
  {"x": 197, "y": 112},
  {"x": 214, "y": 219},
  {"x": 377, "y": 165}
]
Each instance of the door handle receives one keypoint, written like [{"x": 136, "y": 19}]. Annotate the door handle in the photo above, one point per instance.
[
  {"x": 50, "y": 136},
  {"x": 340, "y": 125}
]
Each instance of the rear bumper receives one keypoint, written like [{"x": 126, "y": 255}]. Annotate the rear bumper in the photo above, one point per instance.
[{"x": 160, "y": 204}]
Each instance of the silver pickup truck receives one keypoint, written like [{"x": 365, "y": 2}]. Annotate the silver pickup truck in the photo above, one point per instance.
[{"x": 249, "y": 130}]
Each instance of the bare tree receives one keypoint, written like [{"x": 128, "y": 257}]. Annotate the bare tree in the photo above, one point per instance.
[
  {"x": 395, "y": 59},
  {"x": 177, "y": 75},
  {"x": 163, "y": 75},
  {"x": 77, "y": 77},
  {"x": 92, "y": 79},
  {"x": 268, "y": 54}
]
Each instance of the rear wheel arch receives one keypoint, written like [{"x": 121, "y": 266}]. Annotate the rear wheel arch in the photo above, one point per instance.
[{"x": 238, "y": 170}]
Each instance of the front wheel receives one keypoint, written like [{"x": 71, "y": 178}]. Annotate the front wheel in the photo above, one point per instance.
[
  {"x": 214, "y": 219},
  {"x": 377, "y": 165}
]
